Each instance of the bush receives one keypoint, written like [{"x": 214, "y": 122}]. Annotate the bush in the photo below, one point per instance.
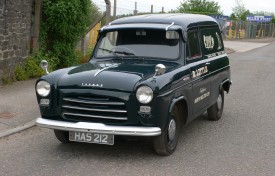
[
  {"x": 6, "y": 80},
  {"x": 52, "y": 60},
  {"x": 29, "y": 69},
  {"x": 84, "y": 59},
  {"x": 32, "y": 68},
  {"x": 63, "y": 24},
  {"x": 20, "y": 73}
]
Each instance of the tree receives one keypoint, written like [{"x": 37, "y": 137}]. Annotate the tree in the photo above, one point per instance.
[
  {"x": 63, "y": 24},
  {"x": 239, "y": 10},
  {"x": 233, "y": 16},
  {"x": 244, "y": 15},
  {"x": 199, "y": 6},
  {"x": 263, "y": 13}
]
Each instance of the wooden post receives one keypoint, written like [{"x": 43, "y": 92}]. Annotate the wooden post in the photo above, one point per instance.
[
  {"x": 37, "y": 13},
  {"x": 108, "y": 11},
  {"x": 135, "y": 11},
  {"x": 83, "y": 47},
  {"x": 114, "y": 13}
]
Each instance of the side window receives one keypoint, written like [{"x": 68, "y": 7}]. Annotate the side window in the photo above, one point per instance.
[
  {"x": 187, "y": 52},
  {"x": 194, "y": 46},
  {"x": 212, "y": 41}
]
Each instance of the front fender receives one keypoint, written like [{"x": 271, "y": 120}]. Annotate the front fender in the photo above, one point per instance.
[{"x": 174, "y": 101}]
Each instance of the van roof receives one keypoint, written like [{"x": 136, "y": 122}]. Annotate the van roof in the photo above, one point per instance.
[{"x": 184, "y": 20}]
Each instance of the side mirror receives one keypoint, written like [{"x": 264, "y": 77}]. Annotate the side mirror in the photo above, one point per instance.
[
  {"x": 44, "y": 65},
  {"x": 159, "y": 70}
]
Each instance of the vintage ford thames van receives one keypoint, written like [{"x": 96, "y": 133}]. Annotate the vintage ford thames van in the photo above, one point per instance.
[{"x": 148, "y": 75}]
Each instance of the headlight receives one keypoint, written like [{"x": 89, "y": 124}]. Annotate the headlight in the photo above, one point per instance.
[
  {"x": 144, "y": 94},
  {"x": 43, "y": 88}
]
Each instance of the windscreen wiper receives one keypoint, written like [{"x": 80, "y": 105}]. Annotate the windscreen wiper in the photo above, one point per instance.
[
  {"x": 125, "y": 53},
  {"x": 117, "y": 52},
  {"x": 104, "y": 49}
]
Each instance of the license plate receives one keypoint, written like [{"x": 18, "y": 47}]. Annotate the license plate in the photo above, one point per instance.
[{"x": 89, "y": 137}]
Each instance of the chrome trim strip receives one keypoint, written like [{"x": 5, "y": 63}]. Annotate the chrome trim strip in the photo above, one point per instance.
[
  {"x": 115, "y": 65},
  {"x": 94, "y": 109},
  {"x": 170, "y": 91},
  {"x": 169, "y": 26},
  {"x": 227, "y": 80},
  {"x": 95, "y": 116},
  {"x": 98, "y": 128},
  {"x": 93, "y": 102},
  {"x": 105, "y": 27}
]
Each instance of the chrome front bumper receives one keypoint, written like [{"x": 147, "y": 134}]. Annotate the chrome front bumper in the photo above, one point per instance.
[{"x": 98, "y": 128}]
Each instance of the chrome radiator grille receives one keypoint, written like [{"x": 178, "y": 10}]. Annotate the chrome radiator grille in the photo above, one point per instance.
[{"x": 95, "y": 109}]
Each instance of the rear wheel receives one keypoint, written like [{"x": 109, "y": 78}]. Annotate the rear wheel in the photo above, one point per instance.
[
  {"x": 62, "y": 136},
  {"x": 166, "y": 143},
  {"x": 215, "y": 111}
]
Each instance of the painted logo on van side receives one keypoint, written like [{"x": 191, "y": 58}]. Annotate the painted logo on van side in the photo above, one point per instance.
[
  {"x": 208, "y": 42},
  {"x": 199, "y": 72}
]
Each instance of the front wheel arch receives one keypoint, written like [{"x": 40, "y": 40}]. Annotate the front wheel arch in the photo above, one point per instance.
[{"x": 181, "y": 102}]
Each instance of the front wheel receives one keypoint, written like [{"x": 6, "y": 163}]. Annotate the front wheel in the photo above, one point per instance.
[
  {"x": 215, "y": 111},
  {"x": 166, "y": 143},
  {"x": 62, "y": 136}
]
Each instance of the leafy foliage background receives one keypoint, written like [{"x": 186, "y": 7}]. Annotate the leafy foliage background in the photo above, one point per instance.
[
  {"x": 64, "y": 23},
  {"x": 199, "y": 7}
]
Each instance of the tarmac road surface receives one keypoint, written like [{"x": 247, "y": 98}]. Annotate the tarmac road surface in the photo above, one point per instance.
[{"x": 241, "y": 143}]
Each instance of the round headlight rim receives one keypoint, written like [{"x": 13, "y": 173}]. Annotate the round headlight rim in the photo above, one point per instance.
[
  {"x": 151, "y": 92},
  {"x": 41, "y": 94}
]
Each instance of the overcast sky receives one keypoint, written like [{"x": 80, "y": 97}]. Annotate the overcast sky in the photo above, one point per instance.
[
  {"x": 127, "y": 6},
  {"x": 226, "y": 5}
]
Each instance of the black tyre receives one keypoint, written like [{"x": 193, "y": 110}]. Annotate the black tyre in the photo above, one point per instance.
[
  {"x": 62, "y": 136},
  {"x": 215, "y": 111},
  {"x": 166, "y": 143}
]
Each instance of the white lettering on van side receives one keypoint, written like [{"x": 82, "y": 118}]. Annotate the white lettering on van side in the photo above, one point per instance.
[
  {"x": 208, "y": 42},
  {"x": 202, "y": 97},
  {"x": 202, "y": 90},
  {"x": 215, "y": 54},
  {"x": 199, "y": 72}
]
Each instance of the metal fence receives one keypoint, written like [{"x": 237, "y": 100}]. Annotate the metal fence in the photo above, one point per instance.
[{"x": 248, "y": 30}]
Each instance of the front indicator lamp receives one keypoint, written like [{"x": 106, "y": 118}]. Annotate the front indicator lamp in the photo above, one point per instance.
[{"x": 44, "y": 102}]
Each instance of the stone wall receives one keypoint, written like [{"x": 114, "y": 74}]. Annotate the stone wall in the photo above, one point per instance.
[{"x": 15, "y": 32}]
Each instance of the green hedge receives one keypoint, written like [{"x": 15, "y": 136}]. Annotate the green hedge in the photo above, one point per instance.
[{"x": 63, "y": 24}]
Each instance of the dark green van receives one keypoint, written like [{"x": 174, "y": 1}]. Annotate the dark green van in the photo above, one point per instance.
[{"x": 148, "y": 75}]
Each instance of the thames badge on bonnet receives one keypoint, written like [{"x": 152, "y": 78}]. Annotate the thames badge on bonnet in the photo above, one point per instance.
[{"x": 91, "y": 85}]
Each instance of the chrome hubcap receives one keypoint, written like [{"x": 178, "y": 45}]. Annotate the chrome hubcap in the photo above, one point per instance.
[
  {"x": 219, "y": 102},
  {"x": 172, "y": 129}
]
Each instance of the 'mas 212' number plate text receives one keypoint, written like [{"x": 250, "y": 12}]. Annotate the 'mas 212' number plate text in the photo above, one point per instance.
[{"x": 88, "y": 137}]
